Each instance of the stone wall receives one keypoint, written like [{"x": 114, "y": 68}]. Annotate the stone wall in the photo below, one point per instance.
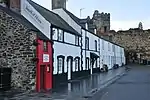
[
  {"x": 17, "y": 51},
  {"x": 137, "y": 41}
]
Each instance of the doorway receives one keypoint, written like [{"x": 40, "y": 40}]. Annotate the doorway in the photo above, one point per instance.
[
  {"x": 69, "y": 66},
  {"x": 42, "y": 77}
]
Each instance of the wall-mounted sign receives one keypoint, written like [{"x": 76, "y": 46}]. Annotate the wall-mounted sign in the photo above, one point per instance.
[
  {"x": 33, "y": 16},
  {"x": 45, "y": 57}
]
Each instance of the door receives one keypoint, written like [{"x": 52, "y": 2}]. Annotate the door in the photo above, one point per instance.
[
  {"x": 44, "y": 69},
  {"x": 42, "y": 77},
  {"x": 69, "y": 69}
]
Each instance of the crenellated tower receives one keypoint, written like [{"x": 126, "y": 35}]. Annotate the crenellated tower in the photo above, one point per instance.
[{"x": 101, "y": 21}]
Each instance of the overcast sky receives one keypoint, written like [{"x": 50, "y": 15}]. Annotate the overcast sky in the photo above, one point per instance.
[{"x": 125, "y": 14}]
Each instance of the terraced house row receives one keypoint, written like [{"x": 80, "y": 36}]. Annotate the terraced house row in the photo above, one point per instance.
[{"x": 47, "y": 47}]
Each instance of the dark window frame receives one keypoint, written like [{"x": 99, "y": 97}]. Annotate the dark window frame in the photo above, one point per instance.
[
  {"x": 105, "y": 28},
  {"x": 87, "y": 43},
  {"x": 95, "y": 45},
  {"x": 60, "y": 33},
  {"x": 45, "y": 46},
  {"x": 60, "y": 57},
  {"x": 77, "y": 40},
  {"x": 77, "y": 62},
  {"x": 87, "y": 67}
]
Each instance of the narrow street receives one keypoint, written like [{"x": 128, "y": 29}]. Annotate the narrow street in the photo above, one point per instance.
[{"x": 135, "y": 85}]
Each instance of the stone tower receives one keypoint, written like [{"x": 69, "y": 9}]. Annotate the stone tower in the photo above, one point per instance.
[
  {"x": 58, "y": 4},
  {"x": 140, "y": 26},
  {"x": 101, "y": 21}
]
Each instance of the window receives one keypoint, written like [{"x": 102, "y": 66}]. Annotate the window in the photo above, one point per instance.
[
  {"x": 87, "y": 63},
  {"x": 105, "y": 28},
  {"x": 60, "y": 35},
  {"x": 102, "y": 44},
  {"x": 108, "y": 46},
  {"x": 77, "y": 60},
  {"x": 113, "y": 48},
  {"x": 87, "y": 43},
  {"x": 95, "y": 45},
  {"x": 45, "y": 46},
  {"x": 76, "y": 40},
  {"x": 60, "y": 64}
]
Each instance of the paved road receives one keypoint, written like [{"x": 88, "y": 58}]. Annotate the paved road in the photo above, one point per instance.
[
  {"x": 79, "y": 88},
  {"x": 135, "y": 85}
]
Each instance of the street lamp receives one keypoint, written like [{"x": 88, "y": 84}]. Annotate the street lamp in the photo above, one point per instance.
[{"x": 81, "y": 11}]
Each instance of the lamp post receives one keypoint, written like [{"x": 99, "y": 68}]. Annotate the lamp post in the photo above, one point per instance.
[{"x": 81, "y": 12}]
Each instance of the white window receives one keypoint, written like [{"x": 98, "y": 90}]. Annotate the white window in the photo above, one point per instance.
[
  {"x": 77, "y": 64},
  {"x": 60, "y": 64},
  {"x": 60, "y": 35},
  {"x": 76, "y": 40}
]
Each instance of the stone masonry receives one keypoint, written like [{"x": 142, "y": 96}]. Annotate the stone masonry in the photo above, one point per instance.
[
  {"x": 134, "y": 40},
  {"x": 17, "y": 51}
]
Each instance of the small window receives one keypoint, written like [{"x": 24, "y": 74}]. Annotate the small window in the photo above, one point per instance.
[
  {"x": 95, "y": 45},
  {"x": 60, "y": 64},
  {"x": 45, "y": 46},
  {"x": 87, "y": 43},
  {"x": 87, "y": 64},
  {"x": 108, "y": 46},
  {"x": 60, "y": 35},
  {"x": 105, "y": 28},
  {"x": 102, "y": 44},
  {"x": 76, "y": 40}
]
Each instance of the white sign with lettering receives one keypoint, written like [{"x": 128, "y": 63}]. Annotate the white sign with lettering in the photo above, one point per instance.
[
  {"x": 45, "y": 57},
  {"x": 33, "y": 16}
]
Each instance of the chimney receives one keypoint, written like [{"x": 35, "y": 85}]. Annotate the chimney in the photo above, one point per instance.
[
  {"x": 14, "y": 5},
  {"x": 56, "y": 4}
]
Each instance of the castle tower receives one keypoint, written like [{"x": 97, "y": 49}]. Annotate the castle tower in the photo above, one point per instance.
[
  {"x": 58, "y": 4},
  {"x": 101, "y": 21},
  {"x": 140, "y": 26}
]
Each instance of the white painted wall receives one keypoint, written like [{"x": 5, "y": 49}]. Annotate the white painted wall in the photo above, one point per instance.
[
  {"x": 69, "y": 38},
  {"x": 92, "y": 39},
  {"x": 68, "y": 19},
  {"x": 65, "y": 50}
]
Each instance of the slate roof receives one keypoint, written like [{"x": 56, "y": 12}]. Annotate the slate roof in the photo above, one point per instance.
[
  {"x": 53, "y": 18},
  {"x": 24, "y": 21},
  {"x": 81, "y": 21}
]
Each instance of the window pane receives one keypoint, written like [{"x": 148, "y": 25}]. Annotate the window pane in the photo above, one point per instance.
[
  {"x": 60, "y": 65},
  {"x": 95, "y": 45},
  {"x": 76, "y": 40},
  {"x": 87, "y": 43},
  {"x": 45, "y": 48},
  {"x": 60, "y": 35}
]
